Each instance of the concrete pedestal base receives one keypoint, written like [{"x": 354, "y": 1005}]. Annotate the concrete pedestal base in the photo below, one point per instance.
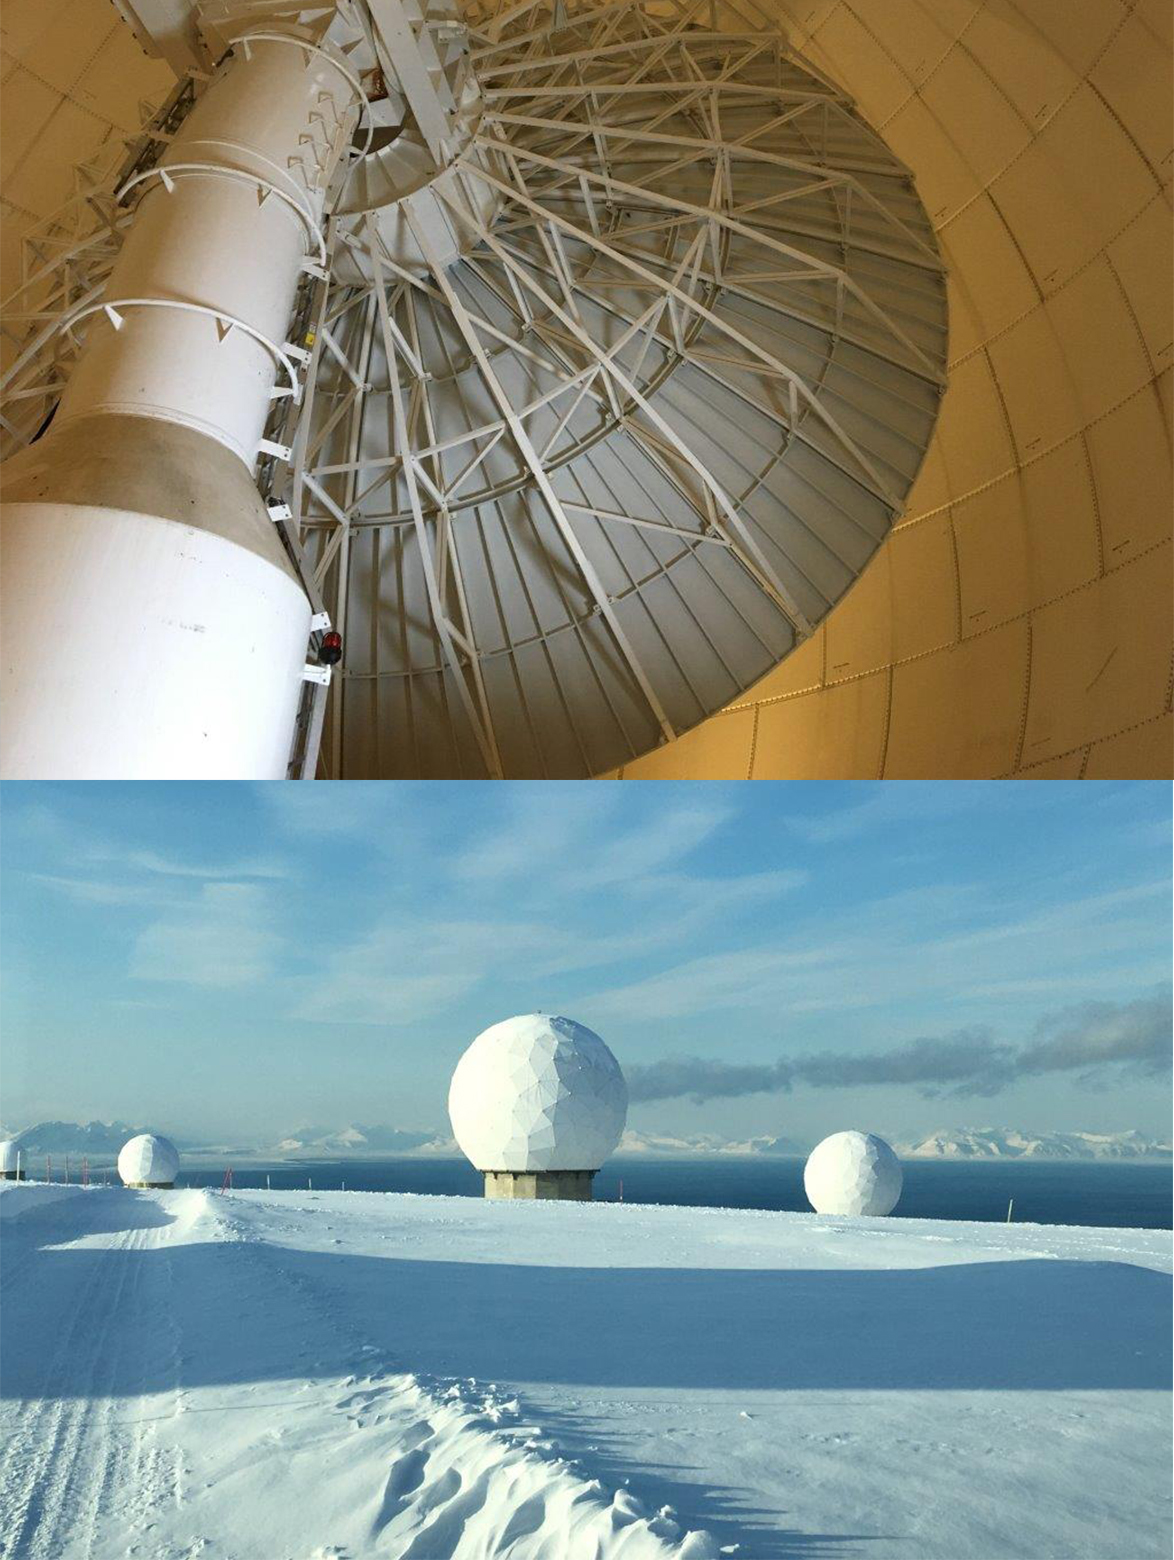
[
  {"x": 567, "y": 1185},
  {"x": 151, "y": 1186},
  {"x": 12, "y": 1175}
]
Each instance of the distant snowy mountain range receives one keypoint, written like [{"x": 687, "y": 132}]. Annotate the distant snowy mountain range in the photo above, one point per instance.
[
  {"x": 1001, "y": 1143},
  {"x": 102, "y": 1140},
  {"x": 961, "y": 1143},
  {"x": 356, "y": 1140},
  {"x": 99, "y": 1139},
  {"x": 634, "y": 1142}
]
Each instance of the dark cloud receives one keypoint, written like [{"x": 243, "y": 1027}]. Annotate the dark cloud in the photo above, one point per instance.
[
  {"x": 1135, "y": 1034},
  {"x": 702, "y": 1080},
  {"x": 967, "y": 1062},
  {"x": 1130, "y": 1035}
]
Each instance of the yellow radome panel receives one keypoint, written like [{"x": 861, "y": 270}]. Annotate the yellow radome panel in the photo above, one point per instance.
[
  {"x": 961, "y": 709},
  {"x": 71, "y": 81},
  {"x": 1040, "y": 137},
  {"x": 844, "y": 733}
]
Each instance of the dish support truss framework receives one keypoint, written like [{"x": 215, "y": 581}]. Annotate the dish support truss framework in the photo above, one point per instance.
[{"x": 603, "y": 416}]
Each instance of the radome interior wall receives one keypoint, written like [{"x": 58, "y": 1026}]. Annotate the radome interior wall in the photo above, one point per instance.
[{"x": 1018, "y": 620}]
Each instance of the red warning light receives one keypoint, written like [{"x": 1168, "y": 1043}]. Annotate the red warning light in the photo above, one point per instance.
[{"x": 331, "y": 651}]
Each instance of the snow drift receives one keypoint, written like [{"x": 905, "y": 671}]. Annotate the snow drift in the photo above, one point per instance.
[{"x": 299, "y": 1376}]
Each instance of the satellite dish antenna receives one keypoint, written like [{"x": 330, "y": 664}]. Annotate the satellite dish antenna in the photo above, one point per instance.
[{"x": 628, "y": 344}]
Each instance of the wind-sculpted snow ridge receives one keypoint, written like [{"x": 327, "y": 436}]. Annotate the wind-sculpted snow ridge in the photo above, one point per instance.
[
  {"x": 470, "y": 1477},
  {"x": 153, "y": 1414},
  {"x": 467, "y": 1475}
]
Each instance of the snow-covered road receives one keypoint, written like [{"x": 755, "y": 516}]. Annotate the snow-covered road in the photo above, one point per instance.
[{"x": 295, "y": 1376}]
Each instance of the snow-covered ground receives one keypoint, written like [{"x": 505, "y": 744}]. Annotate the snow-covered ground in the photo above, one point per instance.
[{"x": 295, "y": 1376}]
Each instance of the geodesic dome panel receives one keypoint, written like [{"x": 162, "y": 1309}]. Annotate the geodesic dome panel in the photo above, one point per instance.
[
  {"x": 538, "y": 1093},
  {"x": 853, "y": 1173},
  {"x": 150, "y": 1159}
]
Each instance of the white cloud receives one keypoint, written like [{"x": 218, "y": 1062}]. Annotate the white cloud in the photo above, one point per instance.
[
  {"x": 404, "y": 971},
  {"x": 162, "y": 866},
  {"x": 399, "y": 974},
  {"x": 1103, "y": 916},
  {"x": 540, "y": 829},
  {"x": 653, "y": 845},
  {"x": 221, "y": 937},
  {"x": 370, "y": 811},
  {"x": 690, "y": 903},
  {"x": 749, "y": 978},
  {"x": 577, "y": 848},
  {"x": 902, "y": 948},
  {"x": 875, "y": 805},
  {"x": 99, "y": 891},
  {"x": 407, "y": 969}
]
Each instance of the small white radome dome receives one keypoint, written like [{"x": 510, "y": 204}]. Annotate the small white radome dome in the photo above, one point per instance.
[
  {"x": 148, "y": 1160},
  {"x": 538, "y": 1093},
  {"x": 853, "y": 1173},
  {"x": 8, "y": 1153}
]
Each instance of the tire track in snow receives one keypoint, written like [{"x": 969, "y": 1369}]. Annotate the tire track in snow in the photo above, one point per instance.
[
  {"x": 49, "y": 1425},
  {"x": 86, "y": 1466},
  {"x": 64, "y": 1496},
  {"x": 77, "y": 1455}
]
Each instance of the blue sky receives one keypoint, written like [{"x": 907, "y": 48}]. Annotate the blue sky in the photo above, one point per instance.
[{"x": 232, "y": 962}]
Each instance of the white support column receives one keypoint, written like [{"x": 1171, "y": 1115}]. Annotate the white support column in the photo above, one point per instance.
[{"x": 153, "y": 627}]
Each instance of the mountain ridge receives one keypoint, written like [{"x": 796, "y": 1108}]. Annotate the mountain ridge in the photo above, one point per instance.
[
  {"x": 104, "y": 1139},
  {"x": 1008, "y": 1143}
]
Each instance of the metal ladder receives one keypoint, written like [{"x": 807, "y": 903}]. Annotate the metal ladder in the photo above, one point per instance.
[{"x": 274, "y": 480}]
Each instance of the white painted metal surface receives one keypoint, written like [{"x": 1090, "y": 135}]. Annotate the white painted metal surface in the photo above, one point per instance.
[
  {"x": 210, "y": 265},
  {"x": 181, "y": 656},
  {"x": 152, "y": 626}
]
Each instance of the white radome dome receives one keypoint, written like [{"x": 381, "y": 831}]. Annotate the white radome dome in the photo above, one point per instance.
[
  {"x": 8, "y": 1154},
  {"x": 149, "y": 1160},
  {"x": 853, "y": 1173},
  {"x": 538, "y": 1093}
]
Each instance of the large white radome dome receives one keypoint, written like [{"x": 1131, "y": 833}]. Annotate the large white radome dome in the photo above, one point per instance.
[
  {"x": 538, "y": 1093},
  {"x": 853, "y": 1173},
  {"x": 8, "y": 1157},
  {"x": 148, "y": 1160}
]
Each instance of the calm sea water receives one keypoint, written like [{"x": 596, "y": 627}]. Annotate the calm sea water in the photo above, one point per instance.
[{"x": 1135, "y": 1196}]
